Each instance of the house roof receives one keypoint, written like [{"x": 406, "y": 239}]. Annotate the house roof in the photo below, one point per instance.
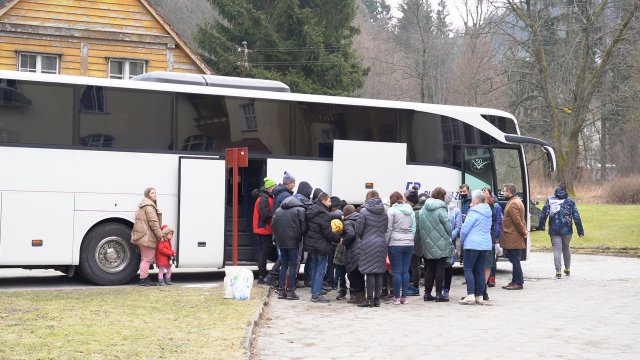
[{"x": 165, "y": 24}]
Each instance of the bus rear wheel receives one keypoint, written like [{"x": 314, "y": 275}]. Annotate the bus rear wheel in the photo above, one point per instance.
[{"x": 107, "y": 256}]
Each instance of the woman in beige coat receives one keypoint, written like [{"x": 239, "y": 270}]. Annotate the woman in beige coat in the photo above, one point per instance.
[{"x": 147, "y": 232}]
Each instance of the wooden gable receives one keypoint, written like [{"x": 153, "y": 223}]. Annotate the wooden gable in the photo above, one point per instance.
[{"x": 86, "y": 34}]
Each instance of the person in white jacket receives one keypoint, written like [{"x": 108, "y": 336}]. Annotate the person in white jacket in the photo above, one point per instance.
[{"x": 400, "y": 235}]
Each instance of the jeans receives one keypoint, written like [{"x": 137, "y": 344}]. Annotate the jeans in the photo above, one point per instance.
[
  {"x": 474, "y": 261},
  {"x": 514, "y": 258},
  {"x": 341, "y": 276},
  {"x": 400, "y": 258},
  {"x": 318, "y": 270},
  {"x": 561, "y": 246},
  {"x": 288, "y": 260},
  {"x": 266, "y": 244}
]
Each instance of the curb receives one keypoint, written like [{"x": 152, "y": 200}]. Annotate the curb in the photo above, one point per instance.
[{"x": 247, "y": 343}]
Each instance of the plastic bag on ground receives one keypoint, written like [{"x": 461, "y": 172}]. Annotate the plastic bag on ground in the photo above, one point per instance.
[{"x": 238, "y": 282}]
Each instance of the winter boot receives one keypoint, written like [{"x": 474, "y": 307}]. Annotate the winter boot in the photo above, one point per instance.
[
  {"x": 376, "y": 301},
  {"x": 145, "y": 282},
  {"x": 291, "y": 295},
  {"x": 359, "y": 298},
  {"x": 282, "y": 294},
  {"x": 440, "y": 297},
  {"x": 167, "y": 281},
  {"x": 342, "y": 294},
  {"x": 161, "y": 282},
  {"x": 365, "y": 303}
]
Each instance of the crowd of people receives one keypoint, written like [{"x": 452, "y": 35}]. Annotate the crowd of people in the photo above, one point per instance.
[{"x": 375, "y": 252}]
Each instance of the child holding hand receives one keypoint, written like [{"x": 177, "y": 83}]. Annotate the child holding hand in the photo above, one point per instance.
[{"x": 164, "y": 253}]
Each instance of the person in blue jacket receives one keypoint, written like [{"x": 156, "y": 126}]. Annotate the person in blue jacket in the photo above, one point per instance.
[{"x": 562, "y": 212}]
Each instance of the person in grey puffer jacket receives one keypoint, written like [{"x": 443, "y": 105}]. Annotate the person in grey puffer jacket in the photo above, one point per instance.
[
  {"x": 401, "y": 230},
  {"x": 435, "y": 232},
  {"x": 289, "y": 225},
  {"x": 371, "y": 227}
]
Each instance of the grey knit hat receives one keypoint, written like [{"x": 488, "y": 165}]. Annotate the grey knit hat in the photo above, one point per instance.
[{"x": 288, "y": 178}]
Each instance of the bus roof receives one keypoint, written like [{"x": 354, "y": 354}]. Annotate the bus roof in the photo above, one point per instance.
[
  {"x": 469, "y": 115},
  {"x": 213, "y": 81}
]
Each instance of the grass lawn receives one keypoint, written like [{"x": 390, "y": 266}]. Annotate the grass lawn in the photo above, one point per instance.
[
  {"x": 613, "y": 229},
  {"x": 169, "y": 322}
]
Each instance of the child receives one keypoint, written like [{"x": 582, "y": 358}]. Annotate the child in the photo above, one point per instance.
[{"x": 164, "y": 252}]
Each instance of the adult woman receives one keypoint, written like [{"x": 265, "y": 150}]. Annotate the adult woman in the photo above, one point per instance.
[
  {"x": 147, "y": 232},
  {"x": 455, "y": 219},
  {"x": 371, "y": 227},
  {"x": 400, "y": 233},
  {"x": 476, "y": 241},
  {"x": 496, "y": 232},
  {"x": 435, "y": 233},
  {"x": 352, "y": 255}
]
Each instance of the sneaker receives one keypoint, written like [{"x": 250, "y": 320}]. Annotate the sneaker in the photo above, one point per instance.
[
  {"x": 492, "y": 281},
  {"x": 513, "y": 287},
  {"x": 445, "y": 293},
  {"x": 508, "y": 285},
  {"x": 413, "y": 291},
  {"x": 319, "y": 299},
  {"x": 558, "y": 275},
  {"x": 168, "y": 281},
  {"x": 567, "y": 272},
  {"x": 403, "y": 300},
  {"x": 468, "y": 300},
  {"x": 395, "y": 301},
  {"x": 160, "y": 282},
  {"x": 479, "y": 300}
]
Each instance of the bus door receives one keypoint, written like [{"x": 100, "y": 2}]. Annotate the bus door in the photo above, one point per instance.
[
  {"x": 359, "y": 166},
  {"x": 201, "y": 212}
]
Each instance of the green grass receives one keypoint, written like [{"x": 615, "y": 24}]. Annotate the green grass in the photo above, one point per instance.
[
  {"x": 613, "y": 229},
  {"x": 125, "y": 323}
]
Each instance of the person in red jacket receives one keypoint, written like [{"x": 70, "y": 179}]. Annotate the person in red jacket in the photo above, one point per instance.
[
  {"x": 164, "y": 253},
  {"x": 262, "y": 214}
]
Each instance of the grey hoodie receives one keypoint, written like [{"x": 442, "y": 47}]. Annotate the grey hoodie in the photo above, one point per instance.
[{"x": 402, "y": 225}]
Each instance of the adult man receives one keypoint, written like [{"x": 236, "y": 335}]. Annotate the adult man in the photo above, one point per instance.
[
  {"x": 262, "y": 214},
  {"x": 562, "y": 211},
  {"x": 318, "y": 243},
  {"x": 465, "y": 199},
  {"x": 514, "y": 233},
  {"x": 280, "y": 193}
]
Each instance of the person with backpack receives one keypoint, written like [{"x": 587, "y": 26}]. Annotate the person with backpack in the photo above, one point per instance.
[
  {"x": 262, "y": 213},
  {"x": 289, "y": 226}
]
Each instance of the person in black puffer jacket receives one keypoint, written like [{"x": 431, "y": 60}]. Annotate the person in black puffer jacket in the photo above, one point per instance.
[
  {"x": 280, "y": 192},
  {"x": 289, "y": 225},
  {"x": 371, "y": 227},
  {"x": 318, "y": 243},
  {"x": 352, "y": 256}
]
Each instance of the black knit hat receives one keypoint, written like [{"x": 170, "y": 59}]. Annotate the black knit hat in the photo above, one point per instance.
[
  {"x": 412, "y": 195},
  {"x": 335, "y": 202},
  {"x": 304, "y": 189},
  {"x": 316, "y": 192}
]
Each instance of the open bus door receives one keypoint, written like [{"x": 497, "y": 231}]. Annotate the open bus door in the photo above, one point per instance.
[{"x": 201, "y": 212}]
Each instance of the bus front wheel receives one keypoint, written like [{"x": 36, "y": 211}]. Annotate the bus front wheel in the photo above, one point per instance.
[{"x": 107, "y": 256}]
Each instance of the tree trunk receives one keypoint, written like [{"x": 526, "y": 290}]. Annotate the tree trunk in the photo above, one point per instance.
[{"x": 603, "y": 150}]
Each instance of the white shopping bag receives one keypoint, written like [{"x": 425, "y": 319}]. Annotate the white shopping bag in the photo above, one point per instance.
[{"x": 237, "y": 283}]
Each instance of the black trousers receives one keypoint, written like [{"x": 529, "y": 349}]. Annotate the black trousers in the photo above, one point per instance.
[
  {"x": 266, "y": 242},
  {"x": 435, "y": 271},
  {"x": 448, "y": 276},
  {"x": 415, "y": 270},
  {"x": 356, "y": 281},
  {"x": 374, "y": 285}
]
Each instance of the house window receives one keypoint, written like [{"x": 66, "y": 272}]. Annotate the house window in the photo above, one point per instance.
[
  {"x": 125, "y": 69},
  {"x": 249, "y": 114},
  {"x": 39, "y": 63},
  {"x": 93, "y": 99}
]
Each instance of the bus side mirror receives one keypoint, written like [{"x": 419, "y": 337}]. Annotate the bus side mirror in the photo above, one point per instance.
[{"x": 551, "y": 157}]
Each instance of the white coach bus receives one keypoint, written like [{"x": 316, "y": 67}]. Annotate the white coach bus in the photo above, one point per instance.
[{"x": 76, "y": 154}]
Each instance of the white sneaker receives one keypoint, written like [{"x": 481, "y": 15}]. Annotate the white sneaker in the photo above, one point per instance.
[
  {"x": 468, "y": 300},
  {"x": 479, "y": 300}
]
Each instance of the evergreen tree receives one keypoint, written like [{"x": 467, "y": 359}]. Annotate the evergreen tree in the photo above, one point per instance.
[
  {"x": 306, "y": 44},
  {"x": 442, "y": 27},
  {"x": 378, "y": 10}
]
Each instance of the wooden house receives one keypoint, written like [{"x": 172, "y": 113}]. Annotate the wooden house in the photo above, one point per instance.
[{"x": 101, "y": 38}]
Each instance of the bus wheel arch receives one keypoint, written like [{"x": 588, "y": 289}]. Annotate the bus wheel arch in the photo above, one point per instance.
[{"x": 107, "y": 256}]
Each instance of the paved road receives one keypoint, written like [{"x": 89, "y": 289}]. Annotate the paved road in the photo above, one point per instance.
[{"x": 592, "y": 314}]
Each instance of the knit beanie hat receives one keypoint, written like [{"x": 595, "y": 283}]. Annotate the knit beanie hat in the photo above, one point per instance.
[
  {"x": 288, "y": 178},
  {"x": 335, "y": 202},
  {"x": 316, "y": 192},
  {"x": 269, "y": 183},
  {"x": 305, "y": 189},
  {"x": 412, "y": 195},
  {"x": 166, "y": 229}
]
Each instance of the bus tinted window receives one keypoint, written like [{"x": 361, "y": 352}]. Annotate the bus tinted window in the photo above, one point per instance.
[
  {"x": 33, "y": 113},
  {"x": 124, "y": 118},
  {"x": 507, "y": 125},
  {"x": 317, "y": 125},
  {"x": 207, "y": 123},
  {"x": 432, "y": 139}
]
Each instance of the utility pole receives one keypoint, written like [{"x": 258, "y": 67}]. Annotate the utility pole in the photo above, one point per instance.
[{"x": 244, "y": 64}]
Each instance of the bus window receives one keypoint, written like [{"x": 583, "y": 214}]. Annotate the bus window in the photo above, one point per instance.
[
  {"x": 35, "y": 113},
  {"x": 478, "y": 168},
  {"x": 508, "y": 169},
  {"x": 130, "y": 119},
  {"x": 431, "y": 138}
]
